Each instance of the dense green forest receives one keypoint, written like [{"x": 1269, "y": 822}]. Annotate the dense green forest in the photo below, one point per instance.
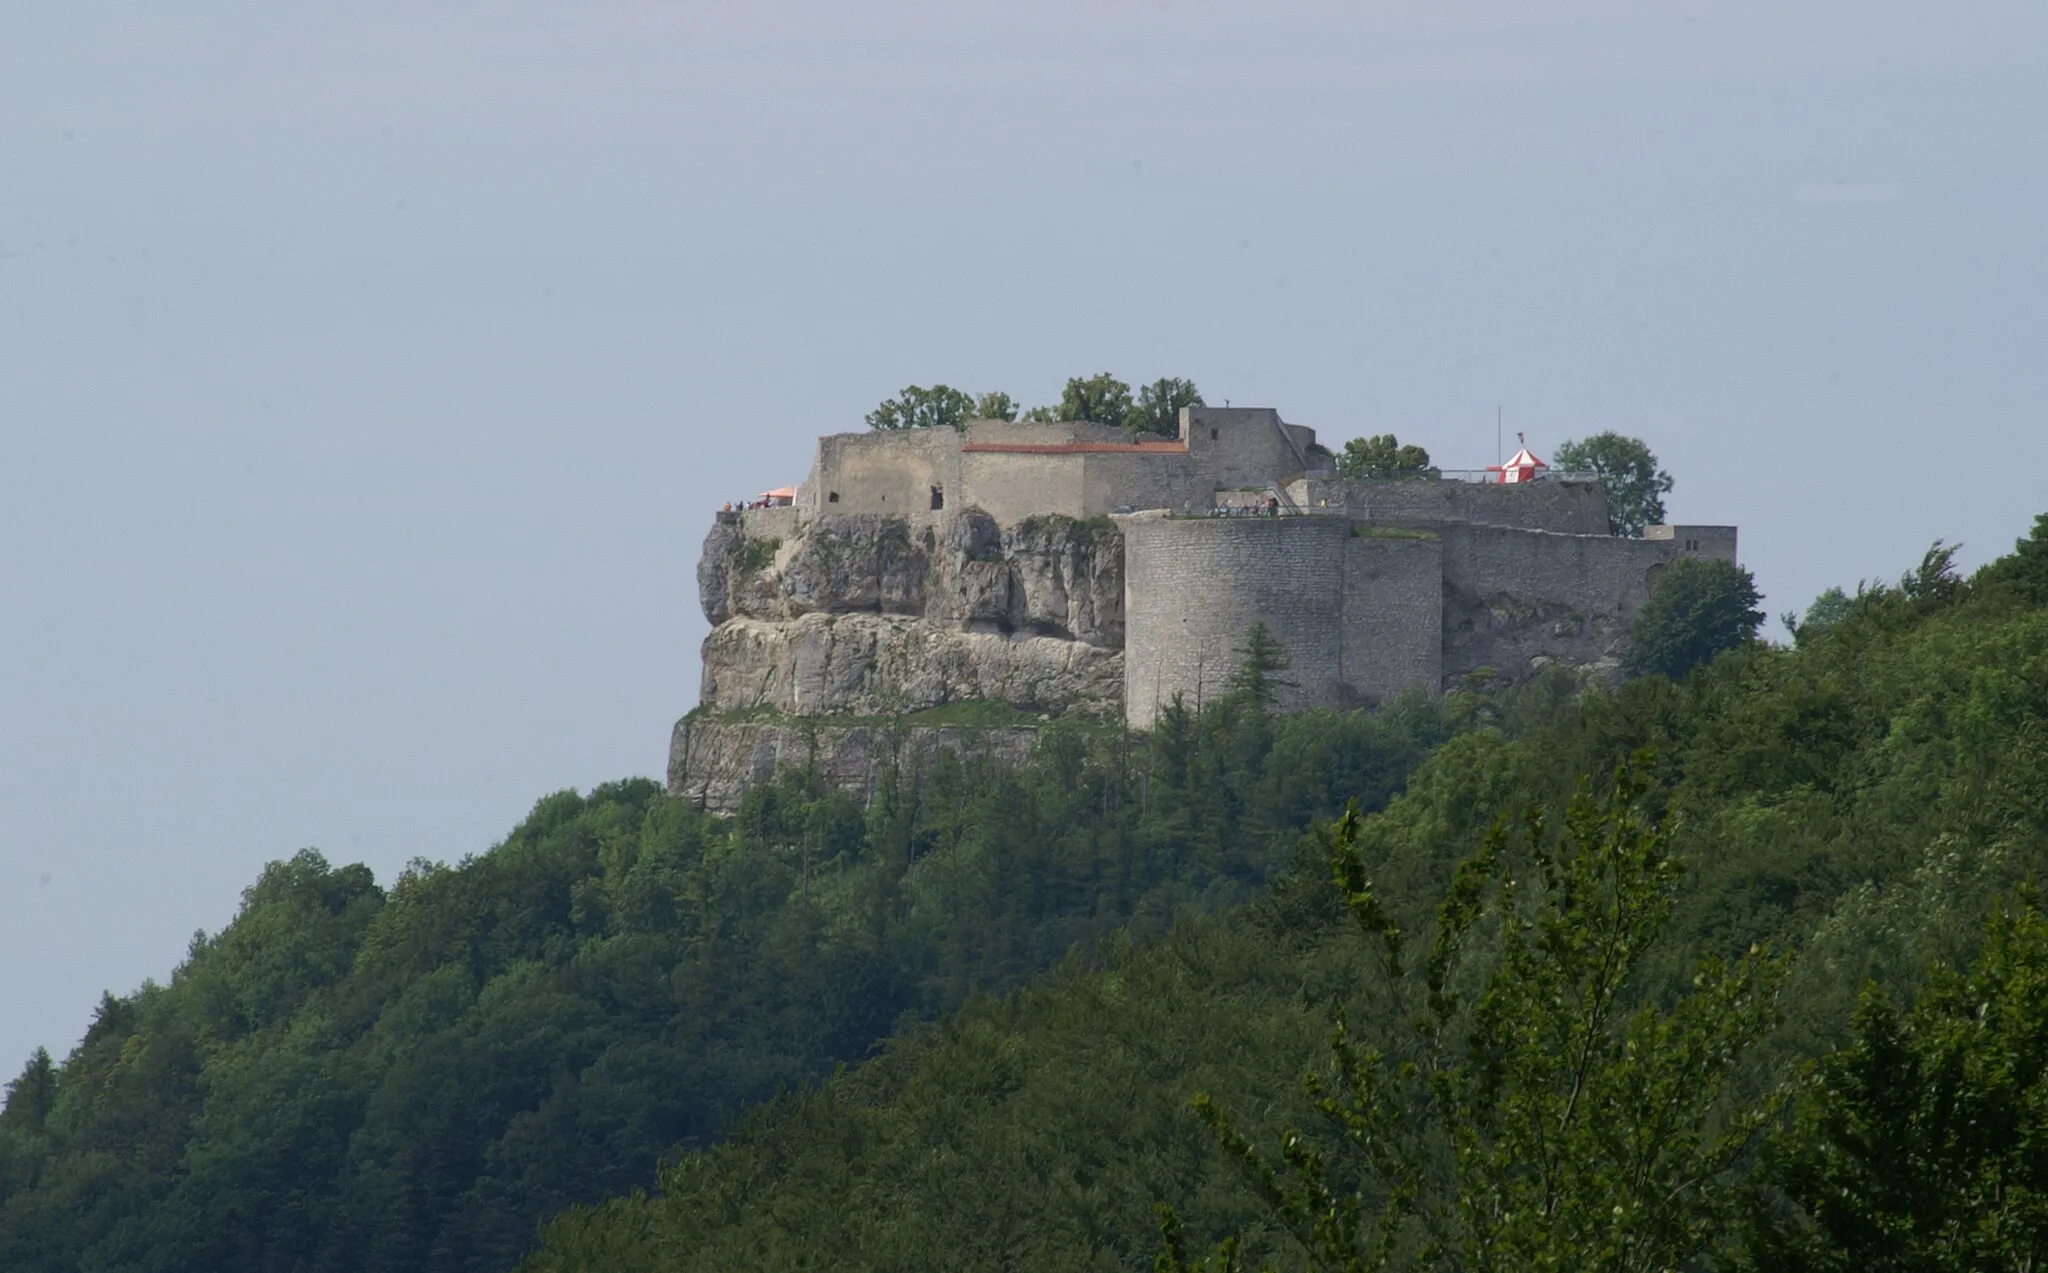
[
  {"x": 960, "y": 1028},
  {"x": 1847, "y": 810},
  {"x": 352, "y": 1077}
]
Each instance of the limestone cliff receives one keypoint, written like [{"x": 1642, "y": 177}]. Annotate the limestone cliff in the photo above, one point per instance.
[
  {"x": 870, "y": 616},
  {"x": 713, "y": 762}
]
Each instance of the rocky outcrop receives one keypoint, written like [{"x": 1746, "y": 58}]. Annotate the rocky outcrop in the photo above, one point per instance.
[
  {"x": 714, "y": 761},
  {"x": 867, "y": 615},
  {"x": 889, "y": 665},
  {"x": 1517, "y": 638}
]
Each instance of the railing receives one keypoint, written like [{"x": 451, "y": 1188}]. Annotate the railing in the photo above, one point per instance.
[
  {"x": 1492, "y": 476},
  {"x": 1253, "y": 510}
]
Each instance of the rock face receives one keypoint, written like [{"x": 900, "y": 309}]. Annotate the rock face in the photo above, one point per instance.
[
  {"x": 867, "y": 616},
  {"x": 1517, "y": 638},
  {"x": 870, "y": 616},
  {"x": 891, "y": 665},
  {"x": 714, "y": 762}
]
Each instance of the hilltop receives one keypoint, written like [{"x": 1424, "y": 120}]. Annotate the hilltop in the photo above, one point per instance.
[{"x": 970, "y": 581}]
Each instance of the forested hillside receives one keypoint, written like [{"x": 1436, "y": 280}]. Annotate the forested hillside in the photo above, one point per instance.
[
  {"x": 415, "y": 1077},
  {"x": 1855, "y": 804},
  {"x": 418, "y": 1077}
]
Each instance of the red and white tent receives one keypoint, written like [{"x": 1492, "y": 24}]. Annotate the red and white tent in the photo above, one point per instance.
[{"x": 1522, "y": 468}]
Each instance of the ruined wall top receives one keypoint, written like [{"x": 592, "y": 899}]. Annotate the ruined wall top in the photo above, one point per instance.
[
  {"x": 1563, "y": 507},
  {"x": 1073, "y": 468}
]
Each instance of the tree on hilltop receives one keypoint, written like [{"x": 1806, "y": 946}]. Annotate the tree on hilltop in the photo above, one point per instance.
[
  {"x": 1383, "y": 456},
  {"x": 995, "y": 405},
  {"x": 939, "y": 407},
  {"x": 1635, "y": 485},
  {"x": 31, "y": 1096},
  {"x": 1104, "y": 399},
  {"x": 2024, "y": 573},
  {"x": 1097, "y": 399},
  {"x": 1826, "y": 612},
  {"x": 1700, "y": 608},
  {"x": 1158, "y": 406}
]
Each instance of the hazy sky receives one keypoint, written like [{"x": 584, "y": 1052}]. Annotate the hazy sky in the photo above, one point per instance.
[{"x": 368, "y": 372}]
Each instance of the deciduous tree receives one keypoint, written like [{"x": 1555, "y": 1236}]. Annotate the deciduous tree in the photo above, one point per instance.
[
  {"x": 1701, "y": 607},
  {"x": 1635, "y": 485},
  {"x": 1920, "y": 1144},
  {"x": 995, "y": 405},
  {"x": 1157, "y": 409},
  {"x": 917, "y": 407},
  {"x": 1383, "y": 456},
  {"x": 1572, "y": 1134},
  {"x": 1098, "y": 399}
]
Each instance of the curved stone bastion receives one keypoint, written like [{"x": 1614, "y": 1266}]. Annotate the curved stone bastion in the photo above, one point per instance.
[{"x": 1360, "y": 617}]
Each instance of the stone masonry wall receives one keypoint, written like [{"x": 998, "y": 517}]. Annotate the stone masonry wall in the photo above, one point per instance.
[
  {"x": 1195, "y": 586},
  {"x": 1572, "y": 508},
  {"x": 1515, "y": 601},
  {"x": 1239, "y": 446},
  {"x": 1011, "y": 487},
  {"x": 1143, "y": 481},
  {"x": 1393, "y": 617},
  {"x": 893, "y": 473},
  {"x": 1697, "y": 541},
  {"x": 888, "y": 474}
]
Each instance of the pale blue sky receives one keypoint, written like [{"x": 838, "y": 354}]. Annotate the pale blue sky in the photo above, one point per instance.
[{"x": 367, "y": 372}]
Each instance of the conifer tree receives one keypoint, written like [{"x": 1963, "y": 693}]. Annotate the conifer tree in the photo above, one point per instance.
[{"x": 1256, "y": 682}]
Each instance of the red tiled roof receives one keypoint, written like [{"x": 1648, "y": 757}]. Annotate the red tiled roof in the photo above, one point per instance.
[{"x": 1079, "y": 448}]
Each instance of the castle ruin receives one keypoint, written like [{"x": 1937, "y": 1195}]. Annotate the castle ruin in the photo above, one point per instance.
[{"x": 1062, "y": 567}]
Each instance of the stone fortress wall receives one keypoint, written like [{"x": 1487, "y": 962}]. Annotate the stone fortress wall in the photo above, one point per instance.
[
  {"x": 1059, "y": 567},
  {"x": 1014, "y": 471},
  {"x": 1360, "y": 615},
  {"x": 1364, "y": 613},
  {"x": 1194, "y": 586},
  {"x": 1697, "y": 541},
  {"x": 1568, "y": 507}
]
